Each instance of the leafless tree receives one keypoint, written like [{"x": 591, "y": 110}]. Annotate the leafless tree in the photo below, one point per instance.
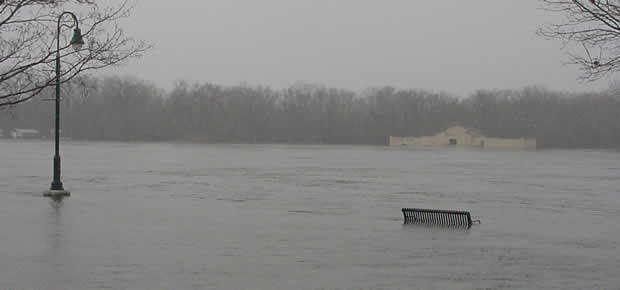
[
  {"x": 28, "y": 33},
  {"x": 593, "y": 25}
]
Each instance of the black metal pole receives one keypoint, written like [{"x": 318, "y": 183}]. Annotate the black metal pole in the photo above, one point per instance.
[{"x": 56, "y": 183}]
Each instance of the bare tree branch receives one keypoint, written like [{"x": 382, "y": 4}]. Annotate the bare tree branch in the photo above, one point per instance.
[
  {"x": 28, "y": 37},
  {"x": 595, "y": 25}
]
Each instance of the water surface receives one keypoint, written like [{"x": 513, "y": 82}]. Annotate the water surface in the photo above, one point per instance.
[{"x": 179, "y": 216}]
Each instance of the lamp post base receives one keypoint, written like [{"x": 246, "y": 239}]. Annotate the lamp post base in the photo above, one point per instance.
[{"x": 56, "y": 193}]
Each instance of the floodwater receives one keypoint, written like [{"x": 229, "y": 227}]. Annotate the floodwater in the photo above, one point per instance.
[{"x": 180, "y": 216}]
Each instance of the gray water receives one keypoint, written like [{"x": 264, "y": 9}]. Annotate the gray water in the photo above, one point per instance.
[{"x": 174, "y": 216}]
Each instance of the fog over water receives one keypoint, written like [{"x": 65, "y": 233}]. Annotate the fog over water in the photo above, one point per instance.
[
  {"x": 249, "y": 147},
  {"x": 181, "y": 216}
]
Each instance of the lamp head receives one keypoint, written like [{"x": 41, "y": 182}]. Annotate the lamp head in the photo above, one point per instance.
[{"x": 77, "y": 41}]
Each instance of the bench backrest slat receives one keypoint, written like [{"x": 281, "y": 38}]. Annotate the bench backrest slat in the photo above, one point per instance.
[{"x": 438, "y": 217}]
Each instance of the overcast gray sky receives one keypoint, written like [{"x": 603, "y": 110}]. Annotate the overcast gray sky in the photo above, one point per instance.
[{"x": 456, "y": 46}]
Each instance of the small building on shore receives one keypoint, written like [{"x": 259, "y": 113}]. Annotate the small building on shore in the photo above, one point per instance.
[
  {"x": 25, "y": 134},
  {"x": 462, "y": 137}
]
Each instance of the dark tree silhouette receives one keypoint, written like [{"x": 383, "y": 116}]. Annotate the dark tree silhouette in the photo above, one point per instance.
[{"x": 128, "y": 109}]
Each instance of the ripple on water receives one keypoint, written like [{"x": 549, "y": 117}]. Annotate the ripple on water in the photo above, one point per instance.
[{"x": 329, "y": 218}]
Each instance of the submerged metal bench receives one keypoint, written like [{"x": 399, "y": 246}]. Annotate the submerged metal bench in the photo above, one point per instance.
[{"x": 438, "y": 217}]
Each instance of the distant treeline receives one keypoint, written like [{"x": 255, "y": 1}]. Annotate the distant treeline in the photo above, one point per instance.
[{"x": 127, "y": 109}]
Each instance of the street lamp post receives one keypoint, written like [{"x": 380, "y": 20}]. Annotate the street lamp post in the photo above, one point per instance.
[{"x": 57, "y": 188}]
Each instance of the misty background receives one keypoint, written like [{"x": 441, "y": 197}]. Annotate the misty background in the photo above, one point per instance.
[
  {"x": 127, "y": 109},
  {"x": 452, "y": 46},
  {"x": 336, "y": 72}
]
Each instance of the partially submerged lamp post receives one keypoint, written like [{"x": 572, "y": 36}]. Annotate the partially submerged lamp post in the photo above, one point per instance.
[{"x": 77, "y": 41}]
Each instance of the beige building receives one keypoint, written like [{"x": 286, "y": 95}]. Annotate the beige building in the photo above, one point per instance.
[{"x": 461, "y": 137}]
